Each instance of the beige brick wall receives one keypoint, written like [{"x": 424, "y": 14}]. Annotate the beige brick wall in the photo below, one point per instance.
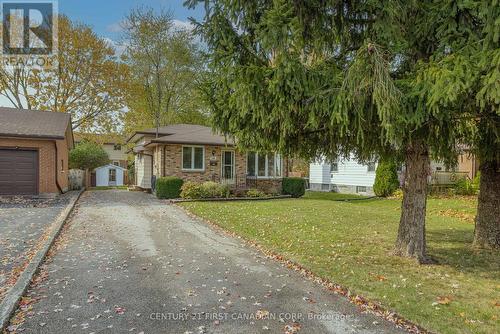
[
  {"x": 172, "y": 160},
  {"x": 46, "y": 161},
  {"x": 173, "y": 164}
]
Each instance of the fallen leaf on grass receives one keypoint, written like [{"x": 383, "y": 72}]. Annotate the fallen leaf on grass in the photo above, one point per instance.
[{"x": 443, "y": 300}]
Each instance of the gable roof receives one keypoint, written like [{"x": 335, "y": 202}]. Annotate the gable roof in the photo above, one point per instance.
[
  {"x": 33, "y": 124},
  {"x": 111, "y": 166},
  {"x": 186, "y": 134}
]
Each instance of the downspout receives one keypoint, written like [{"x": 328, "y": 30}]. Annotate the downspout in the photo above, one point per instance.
[
  {"x": 57, "y": 176},
  {"x": 164, "y": 158}
]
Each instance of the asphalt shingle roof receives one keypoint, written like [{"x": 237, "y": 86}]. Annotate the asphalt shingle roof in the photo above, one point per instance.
[
  {"x": 188, "y": 134},
  {"x": 33, "y": 124}
]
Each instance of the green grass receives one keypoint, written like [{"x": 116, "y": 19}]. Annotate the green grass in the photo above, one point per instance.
[
  {"x": 109, "y": 188},
  {"x": 332, "y": 196},
  {"x": 350, "y": 243}
]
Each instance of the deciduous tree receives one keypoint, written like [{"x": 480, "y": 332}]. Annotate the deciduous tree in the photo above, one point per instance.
[
  {"x": 165, "y": 65},
  {"x": 86, "y": 83}
]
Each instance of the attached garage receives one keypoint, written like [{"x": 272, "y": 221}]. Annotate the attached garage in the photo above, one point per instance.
[
  {"x": 18, "y": 172},
  {"x": 34, "y": 152}
]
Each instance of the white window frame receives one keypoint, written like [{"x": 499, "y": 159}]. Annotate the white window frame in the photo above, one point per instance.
[
  {"x": 266, "y": 166},
  {"x": 192, "y": 169},
  {"x": 222, "y": 165}
]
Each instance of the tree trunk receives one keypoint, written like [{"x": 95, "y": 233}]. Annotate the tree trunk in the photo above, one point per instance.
[
  {"x": 411, "y": 234},
  {"x": 487, "y": 231}
]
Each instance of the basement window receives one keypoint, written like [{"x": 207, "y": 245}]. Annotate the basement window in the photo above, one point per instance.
[{"x": 360, "y": 189}]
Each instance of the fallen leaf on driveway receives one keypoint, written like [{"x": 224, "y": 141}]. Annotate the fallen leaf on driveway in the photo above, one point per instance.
[
  {"x": 293, "y": 328},
  {"x": 119, "y": 310},
  {"x": 261, "y": 314}
]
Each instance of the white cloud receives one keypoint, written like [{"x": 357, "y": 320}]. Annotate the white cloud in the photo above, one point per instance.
[
  {"x": 115, "y": 27},
  {"x": 183, "y": 25},
  {"x": 119, "y": 47}
]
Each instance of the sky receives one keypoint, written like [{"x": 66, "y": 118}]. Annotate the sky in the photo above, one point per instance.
[{"x": 104, "y": 16}]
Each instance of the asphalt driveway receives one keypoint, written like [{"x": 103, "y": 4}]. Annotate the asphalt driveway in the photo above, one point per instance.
[
  {"x": 129, "y": 263},
  {"x": 23, "y": 222}
]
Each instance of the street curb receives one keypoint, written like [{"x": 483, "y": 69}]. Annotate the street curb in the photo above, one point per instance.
[{"x": 9, "y": 304}]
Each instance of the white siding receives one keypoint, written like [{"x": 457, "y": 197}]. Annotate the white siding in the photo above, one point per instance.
[
  {"x": 319, "y": 173},
  {"x": 143, "y": 171},
  {"x": 102, "y": 176},
  {"x": 352, "y": 173}
]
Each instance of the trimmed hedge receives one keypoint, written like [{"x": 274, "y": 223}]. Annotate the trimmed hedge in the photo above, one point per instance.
[
  {"x": 168, "y": 187},
  {"x": 294, "y": 186},
  {"x": 386, "y": 179}
]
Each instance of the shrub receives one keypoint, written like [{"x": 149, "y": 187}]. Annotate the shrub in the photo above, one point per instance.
[
  {"x": 215, "y": 190},
  {"x": 464, "y": 187},
  {"x": 168, "y": 187},
  {"x": 476, "y": 182},
  {"x": 192, "y": 190},
  {"x": 255, "y": 193},
  {"x": 386, "y": 179},
  {"x": 294, "y": 186},
  {"x": 196, "y": 190},
  {"x": 398, "y": 194},
  {"x": 87, "y": 155}
]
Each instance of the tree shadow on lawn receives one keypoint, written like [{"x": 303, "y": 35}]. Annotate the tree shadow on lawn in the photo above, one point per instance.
[{"x": 453, "y": 247}]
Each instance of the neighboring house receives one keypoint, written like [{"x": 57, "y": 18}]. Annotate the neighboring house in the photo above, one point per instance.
[
  {"x": 468, "y": 163},
  {"x": 195, "y": 153},
  {"x": 109, "y": 176},
  {"x": 343, "y": 175},
  {"x": 350, "y": 176},
  {"x": 34, "y": 148},
  {"x": 112, "y": 144},
  {"x": 115, "y": 173}
]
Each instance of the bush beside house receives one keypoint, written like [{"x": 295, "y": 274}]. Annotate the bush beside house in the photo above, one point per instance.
[
  {"x": 467, "y": 187},
  {"x": 195, "y": 190},
  {"x": 386, "y": 179},
  {"x": 294, "y": 186},
  {"x": 168, "y": 187}
]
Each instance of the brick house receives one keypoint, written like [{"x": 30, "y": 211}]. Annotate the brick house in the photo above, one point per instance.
[
  {"x": 195, "y": 153},
  {"x": 34, "y": 151}
]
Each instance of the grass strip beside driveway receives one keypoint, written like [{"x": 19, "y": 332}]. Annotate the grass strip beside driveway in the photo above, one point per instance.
[{"x": 350, "y": 244}]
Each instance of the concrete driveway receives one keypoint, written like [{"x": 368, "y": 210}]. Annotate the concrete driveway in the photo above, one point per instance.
[{"x": 130, "y": 263}]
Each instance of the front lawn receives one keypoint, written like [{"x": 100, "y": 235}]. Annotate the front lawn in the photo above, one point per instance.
[{"x": 350, "y": 244}]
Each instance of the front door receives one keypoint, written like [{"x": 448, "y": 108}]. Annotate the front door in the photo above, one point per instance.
[{"x": 228, "y": 167}]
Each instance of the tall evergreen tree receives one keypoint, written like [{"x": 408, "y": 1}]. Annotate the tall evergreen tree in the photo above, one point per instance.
[{"x": 332, "y": 77}]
